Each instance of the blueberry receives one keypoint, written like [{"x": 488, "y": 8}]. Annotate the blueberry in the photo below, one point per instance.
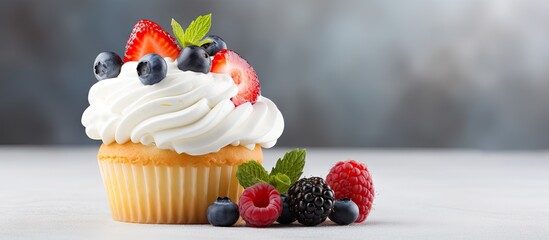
[
  {"x": 285, "y": 217},
  {"x": 195, "y": 59},
  {"x": 107, "y": 65},
  {"x": 215, "y": 46},
  {"x": 344, "y": 212},
  {"x": 151, "y": 69},
  {"x": 223, "y": 212}
]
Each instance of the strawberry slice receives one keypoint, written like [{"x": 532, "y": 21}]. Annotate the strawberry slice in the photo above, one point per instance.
[
  {"x": 242, "y": 73},
  {"x": 148, "y": 37}
]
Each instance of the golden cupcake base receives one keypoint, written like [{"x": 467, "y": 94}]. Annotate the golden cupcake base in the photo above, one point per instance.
[{"x": 148, "y": 185}]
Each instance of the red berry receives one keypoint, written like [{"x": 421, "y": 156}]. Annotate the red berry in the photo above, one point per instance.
[
  {"x": 242, "y": 73},
  {"x": 260, "y": 205},
  {"x": 351, "y": 179},
  {"x": 148, "y": 37}
]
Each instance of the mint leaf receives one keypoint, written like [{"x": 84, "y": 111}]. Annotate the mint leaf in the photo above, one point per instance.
[
  {"x": 178, "y": 32},
  {"x": 197, "y": 30},
  {"x": 291, "y": 164},
  {"x": 281, "y": 182},
  {"x": 204, "y": 41},
  {"x": 250, "y": 173}
]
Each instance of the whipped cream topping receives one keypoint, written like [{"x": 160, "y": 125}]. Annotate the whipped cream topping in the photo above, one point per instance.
[{"x": 187, "y": 112}]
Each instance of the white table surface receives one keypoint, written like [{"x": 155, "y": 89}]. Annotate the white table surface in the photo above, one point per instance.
[{"x": 57, "y": 193}]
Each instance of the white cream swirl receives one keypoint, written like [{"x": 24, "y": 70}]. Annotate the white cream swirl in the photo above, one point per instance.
[{"x": 187, "y": 112}]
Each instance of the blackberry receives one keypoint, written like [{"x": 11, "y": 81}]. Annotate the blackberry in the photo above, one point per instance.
[{"x": 311, "y": 200}]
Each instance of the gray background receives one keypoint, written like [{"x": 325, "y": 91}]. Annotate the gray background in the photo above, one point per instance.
[{"x": 422, "y": 73}]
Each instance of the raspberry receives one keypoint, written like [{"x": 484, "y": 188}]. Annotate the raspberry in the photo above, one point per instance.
[
  {"x": 351, "y": 179},
  {"x": 310, "y": 200},
  {"x": 260, "y": 205}
]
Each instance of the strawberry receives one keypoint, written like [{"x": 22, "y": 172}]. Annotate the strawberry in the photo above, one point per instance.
[
  {"x": 148, "y": 37},
  {"x": 242, "y": 73}
]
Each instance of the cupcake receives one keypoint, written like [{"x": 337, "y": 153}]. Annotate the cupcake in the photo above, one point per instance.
[{"x": 175, "y": 122}]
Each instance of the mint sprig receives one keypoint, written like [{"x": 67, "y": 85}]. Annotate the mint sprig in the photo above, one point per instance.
[
  {"x": 291, "y": 164},
  {"x": 280, "y": 181},
  {"x": 195, "y": 32},
  {"x": 285, "y": 173},
  {"x": 250, "y": 173}
]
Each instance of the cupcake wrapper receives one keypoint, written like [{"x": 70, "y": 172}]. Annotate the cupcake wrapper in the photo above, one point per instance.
[{"x": 166, "y": 194}]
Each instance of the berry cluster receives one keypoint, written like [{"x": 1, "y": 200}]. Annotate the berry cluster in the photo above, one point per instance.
[
  {"x": 149, "y": 44},
  {"x": 346, "y": 196}
]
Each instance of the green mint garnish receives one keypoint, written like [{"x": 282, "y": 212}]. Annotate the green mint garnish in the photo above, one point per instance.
[
  {"x": 195, "y": 32},
  {"x": 250, "y": 173},
  {"x": 285, "y": 173},
  {"x": 281, "y": 182},
  {"x": 291, "y": 164}
]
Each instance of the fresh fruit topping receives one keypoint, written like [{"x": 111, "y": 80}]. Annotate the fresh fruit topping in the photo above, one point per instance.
[
  {"x": 285, "y": 217},
  {"x": 148, "y": 37},
  {"x": 242, "y": 73},
  {"x": 151, "y": 69},
  {"x": 107, "y": 65},
  {"x": 217, "y": 44},
  {"x": 344, "y": 212},
  {"x": 286, "y": 171},
  {"x": 195, "y": 32},
  {"x": 195, "y": 59},
  {"x": 351, "y": 179},
  {"x": 260, "y": 205},
  {"x": 223, "y": 212},
  {"x": 310, "y": 200}
]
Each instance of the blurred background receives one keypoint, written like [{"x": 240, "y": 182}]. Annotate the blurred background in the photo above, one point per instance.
[{"x": 422, "y": 73}]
